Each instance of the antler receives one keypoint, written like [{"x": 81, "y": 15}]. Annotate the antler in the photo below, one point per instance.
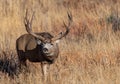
[
  {"x": 28, "y": 25},
  {"x": 63, "y": 34}
]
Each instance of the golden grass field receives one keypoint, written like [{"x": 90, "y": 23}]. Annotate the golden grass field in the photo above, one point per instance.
[{"x": 90, "y": 54}]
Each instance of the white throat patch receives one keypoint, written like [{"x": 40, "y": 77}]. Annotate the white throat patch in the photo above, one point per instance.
[{"x": 48, "y": 46}]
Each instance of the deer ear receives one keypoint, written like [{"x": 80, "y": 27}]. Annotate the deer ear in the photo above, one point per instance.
[
  {"x": 57, "y": 41},
  {"x": 39, "y": 42}
]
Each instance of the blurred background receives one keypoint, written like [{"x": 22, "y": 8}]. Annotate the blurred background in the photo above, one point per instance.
[{"x": 90, "y": 53}]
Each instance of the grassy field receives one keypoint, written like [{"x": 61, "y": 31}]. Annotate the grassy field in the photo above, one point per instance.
[{"x": 90, "y": 54}]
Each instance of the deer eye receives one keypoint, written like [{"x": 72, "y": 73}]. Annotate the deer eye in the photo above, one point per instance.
[{"x": 51, "y": 43}]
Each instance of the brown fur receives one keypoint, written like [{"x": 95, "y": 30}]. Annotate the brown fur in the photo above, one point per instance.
[{"x": 27, "y": 48}]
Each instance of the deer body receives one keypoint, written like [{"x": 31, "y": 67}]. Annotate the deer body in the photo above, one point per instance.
[{"x": 29, "y": 47}]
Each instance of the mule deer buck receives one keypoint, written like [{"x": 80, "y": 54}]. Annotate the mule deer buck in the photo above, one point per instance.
[{"x": 39, "y": 47}]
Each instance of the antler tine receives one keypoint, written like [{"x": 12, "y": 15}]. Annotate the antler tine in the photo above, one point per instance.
[
  {"x": 32, "y": 17},
  {"x": 25, "y": 19},
  {"x": 62, "y": 34},
  {"x": 28, "y": 25},
  {"x": 70, "y": 19}
]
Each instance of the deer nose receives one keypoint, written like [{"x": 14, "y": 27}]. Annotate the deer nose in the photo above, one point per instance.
[{"x": 45, "y": 50}]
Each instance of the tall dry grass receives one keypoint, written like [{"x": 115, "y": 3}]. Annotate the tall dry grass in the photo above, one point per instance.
[{"x": 90, "y": 54}]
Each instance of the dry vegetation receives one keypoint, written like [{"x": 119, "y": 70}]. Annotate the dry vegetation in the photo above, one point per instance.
[{"x": 90, "y": 54}]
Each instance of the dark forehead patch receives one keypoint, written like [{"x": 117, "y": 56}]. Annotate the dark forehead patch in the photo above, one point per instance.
[{"x": 46, "y": 35}]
